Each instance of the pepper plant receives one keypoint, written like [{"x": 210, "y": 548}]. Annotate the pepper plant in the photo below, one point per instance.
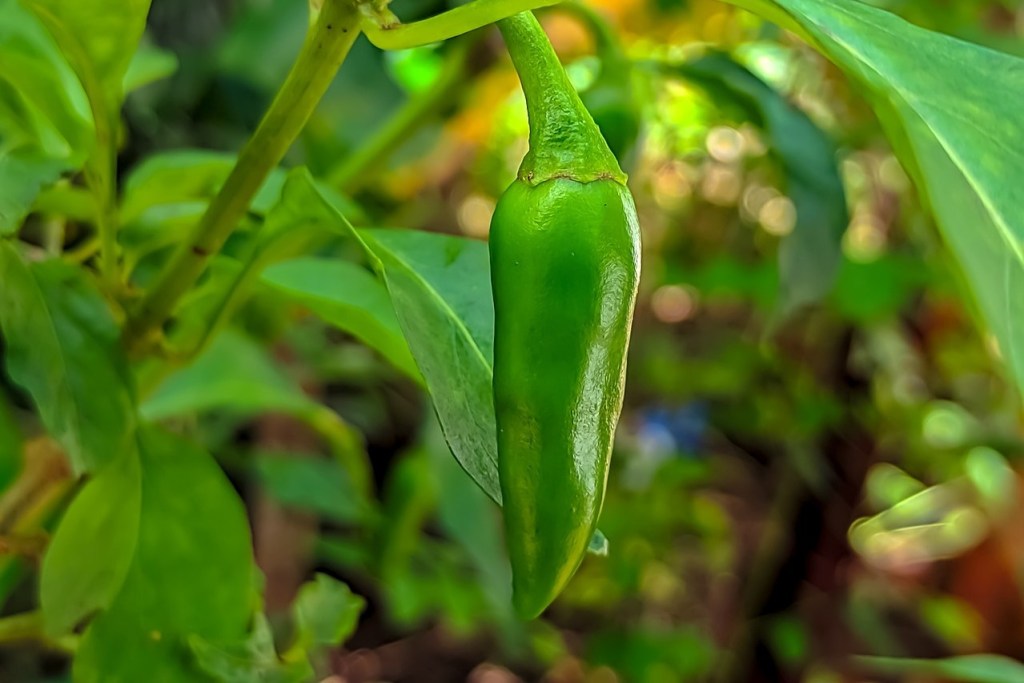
[{"x": 147, "y": 569}]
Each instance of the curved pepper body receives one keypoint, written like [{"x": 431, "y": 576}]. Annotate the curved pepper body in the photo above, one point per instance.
[{"x": 565, "y": 263}]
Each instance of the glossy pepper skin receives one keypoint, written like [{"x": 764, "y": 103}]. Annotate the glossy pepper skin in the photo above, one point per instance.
[{"x": 565, "y": 263}]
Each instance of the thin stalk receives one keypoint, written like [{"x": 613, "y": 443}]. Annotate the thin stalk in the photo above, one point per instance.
[
  {"x": 386, "y": 32},
  {"x": 357, "y": 169},
  {"x": 326, "y": 46},
  {"x": 27, "y": 626},
  {"x": 564, "y": 140}
]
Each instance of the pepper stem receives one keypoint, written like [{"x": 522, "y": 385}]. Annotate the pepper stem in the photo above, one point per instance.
[{"x": 564, "y": 140}]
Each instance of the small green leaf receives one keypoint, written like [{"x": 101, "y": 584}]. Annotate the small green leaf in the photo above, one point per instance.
[
  {"x": 253, "y": 661},
  {"x": 233, "y": 374},
  {"x": 63, "y": 348},
  {"x": 23, "y": 173},
  {"x": 92, "y": 549},
  {"x": 148, "y": 65},
  {"x": 192, "y": 574},
  {"x": 810, "y": 255},
  {"x": 313, "y": 483},
  {"x": 965, "y": 669},
  {"x": 326, "y": 613},
  {"x": 349, "y": 298}
]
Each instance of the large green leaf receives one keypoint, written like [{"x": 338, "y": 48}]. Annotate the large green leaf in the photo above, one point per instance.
[
  {"x": 956, "y": 124},
  {"x": 98, "y": 37},
  {"x": 42, "y": 104},
  {"x": 63, "y": 348},
  {"x": 349, "y": 298},
  {"x": 440, "y": 288},
  {"x": 441, "y": 292},
  {"x": 191, "y": 575},
  {"x": 809, "y": 257},
  {"x": 965, "y": 669},
  {"x": 23, "y": 173},
  {"x": 88, "y": 559}
]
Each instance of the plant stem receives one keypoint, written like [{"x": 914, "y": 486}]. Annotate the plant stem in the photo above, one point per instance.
[
  {"x": 27, "y": 626},
  {"x": 322, "y": 54},
  {"x": 387, "y": 33},
  {"x": 357, "y": 168},
  {"x": 564, "y": 140}
]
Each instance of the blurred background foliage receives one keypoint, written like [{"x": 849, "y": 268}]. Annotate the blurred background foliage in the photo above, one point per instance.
[{"x": 792, "y": 485}]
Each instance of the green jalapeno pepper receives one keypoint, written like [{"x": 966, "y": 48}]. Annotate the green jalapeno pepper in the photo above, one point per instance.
[{"x": 565, "y": 262}]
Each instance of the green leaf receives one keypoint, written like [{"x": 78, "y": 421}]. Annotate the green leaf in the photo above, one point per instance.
[
  {"x": 187, "y": 175},
  {"x": 149, "y": 64},
  {"x": 326, "y": 613},
  {"x": 98, "y": 37},
  {"x": 310, "y": 482},
  {"x": 440, "y": 288},
  {"x": 809, "y": 257},
  {"x": 23, "y": 173},
  {"x": 88, "y": 559},
  {"x": 191, "y": 177},
  {"x": 166, "y": 194},
  {"x": 63, "y": 348},
  {"x": 192, "y": 574},
  {"x": 253, "y": 661},
  {"x": 349, "y": 298},
  {"x": 288, "y": 231},
  {"x": 955, "y": 125},
  {"x": 965, "y": 669},
  {"x": 233, "y": 374},
  {"x": 42, "y": 103}
]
